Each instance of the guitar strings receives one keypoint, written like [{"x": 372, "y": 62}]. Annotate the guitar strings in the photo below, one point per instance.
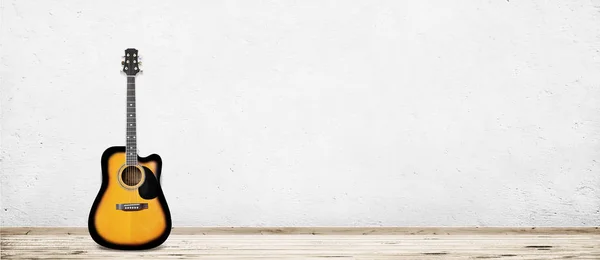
[
  {"x": 128, "y": 150},
  {"x": 131, "y": 162}
]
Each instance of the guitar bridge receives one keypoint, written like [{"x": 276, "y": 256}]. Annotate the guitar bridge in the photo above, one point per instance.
[{"x": 132, "y": 206}]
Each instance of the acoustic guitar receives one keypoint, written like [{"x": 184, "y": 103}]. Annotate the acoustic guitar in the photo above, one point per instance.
[{"x": 130, "y": 211}]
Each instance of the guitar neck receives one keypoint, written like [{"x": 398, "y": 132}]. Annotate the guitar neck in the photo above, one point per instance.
[{"x": 131, "y": 133}]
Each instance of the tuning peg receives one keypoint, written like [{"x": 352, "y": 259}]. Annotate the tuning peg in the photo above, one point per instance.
[{"x": 122, "y": 62}]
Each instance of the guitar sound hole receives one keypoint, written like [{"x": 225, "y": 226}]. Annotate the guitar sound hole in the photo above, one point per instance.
[{"x": 131, "y": 176}]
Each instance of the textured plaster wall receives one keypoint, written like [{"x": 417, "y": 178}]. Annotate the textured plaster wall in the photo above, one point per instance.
[{"x": 309, "y": 113}]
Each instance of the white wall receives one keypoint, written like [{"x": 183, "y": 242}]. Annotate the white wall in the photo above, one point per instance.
[{"x": 309, "y": 113}]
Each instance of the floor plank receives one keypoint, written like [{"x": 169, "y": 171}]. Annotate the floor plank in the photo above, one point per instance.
[
  {"x": 300, "y": 243},
  {"x": 326, "y": 230}
]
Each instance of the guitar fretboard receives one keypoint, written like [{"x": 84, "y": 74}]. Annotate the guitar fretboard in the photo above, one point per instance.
[{"x": 131, "y": 138}]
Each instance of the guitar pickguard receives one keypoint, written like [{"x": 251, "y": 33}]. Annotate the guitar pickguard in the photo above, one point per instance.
[{"x": 149, "y": 190}]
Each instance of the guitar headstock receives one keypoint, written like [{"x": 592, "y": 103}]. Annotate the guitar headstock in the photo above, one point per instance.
[{"x": 131, "y": 62}]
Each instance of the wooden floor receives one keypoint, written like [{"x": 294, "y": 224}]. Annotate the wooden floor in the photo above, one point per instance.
[{"x": 317, "y": 243}]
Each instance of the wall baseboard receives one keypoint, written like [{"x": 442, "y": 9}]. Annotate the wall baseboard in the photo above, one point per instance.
[{"x": 326, "y": 230}]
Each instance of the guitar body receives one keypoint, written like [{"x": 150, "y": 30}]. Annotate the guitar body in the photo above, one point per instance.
[{"x": 130, "y": 211}]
